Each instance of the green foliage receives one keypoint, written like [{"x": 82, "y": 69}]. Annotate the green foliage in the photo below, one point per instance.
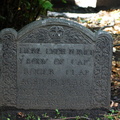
[
  {"x": 97, "y": 118},
  {"x": 46, "y": 4},
  {"x": 30, "y": 116},
  {"x": 45, "y": 115},
  {"x": 17, "y": 13},
  {"x": 8, "y": 117},
  {"x": 57, "y": 113},
  {"x": 38, "y": 118},
  {"x": 77, "y": 117},
  {"x": 64, "y": 1},
  {"x": 113, "y": 115}
]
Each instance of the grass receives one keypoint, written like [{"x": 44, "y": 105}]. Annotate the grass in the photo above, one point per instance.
[{"x": 112, "y": 115}]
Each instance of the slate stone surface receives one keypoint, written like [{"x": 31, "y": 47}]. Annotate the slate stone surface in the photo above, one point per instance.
[
  {"x": 0, "y": 73},
  {"x": 56, "y": 63}
]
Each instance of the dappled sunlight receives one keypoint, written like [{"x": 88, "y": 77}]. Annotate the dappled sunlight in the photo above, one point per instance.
[{"x": 86, "y": 3}]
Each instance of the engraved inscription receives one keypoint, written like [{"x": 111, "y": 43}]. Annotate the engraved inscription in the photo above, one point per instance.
[
  {"x": 52, "y": 70},
  {"x": 38, "y": 71}
]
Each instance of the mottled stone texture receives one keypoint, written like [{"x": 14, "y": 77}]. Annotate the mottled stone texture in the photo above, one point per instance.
[
  {"x": 55, "y": 63},
  {"x": 0, "y": 73},
  {"x": 9, "y": 67}
]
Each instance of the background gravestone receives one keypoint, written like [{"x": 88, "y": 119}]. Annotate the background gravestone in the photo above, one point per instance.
[
  {"x": 91, "y": 3},
  {"x": 56, "y": 63}
]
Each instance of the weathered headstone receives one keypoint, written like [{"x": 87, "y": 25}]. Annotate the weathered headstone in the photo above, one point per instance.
[
  {"x": 0, "y": 72},
  {"x": 56, "y": 63}
]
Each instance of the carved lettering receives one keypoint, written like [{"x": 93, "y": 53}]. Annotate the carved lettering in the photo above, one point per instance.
[
  {"x": 29, "y": 81},
  {"x": 36, "y": 61},
  {"x": 79, "y": 52},
  {"x": 29, "y": 50},
  {"x": 58, "y": 61},
  {"x": 83, "y": 51},
  {"x": 38, "y": 71},
  {"x": 80, "y": 62},
  {"x": 55, "y": 51},
  {"x": 52, "y": 68},
  {"x": 83, "y": 72},
  {"x": 80, "y": 72},
  {"x": 70, "y": 72},
  {"x": 21, "y": 59},
  {"x": 71, "y": 51}
]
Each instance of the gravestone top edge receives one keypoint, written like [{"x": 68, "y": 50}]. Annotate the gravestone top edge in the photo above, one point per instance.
[
  {"x": 8, "y": 32},
  {"x": 55, "y": 21},
  {"x": 100, "y": 33}
]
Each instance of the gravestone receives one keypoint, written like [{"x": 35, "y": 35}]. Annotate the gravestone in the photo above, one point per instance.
[
  {"x": 55, "y": 63},
  {"x": 0, "y": 71}
]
